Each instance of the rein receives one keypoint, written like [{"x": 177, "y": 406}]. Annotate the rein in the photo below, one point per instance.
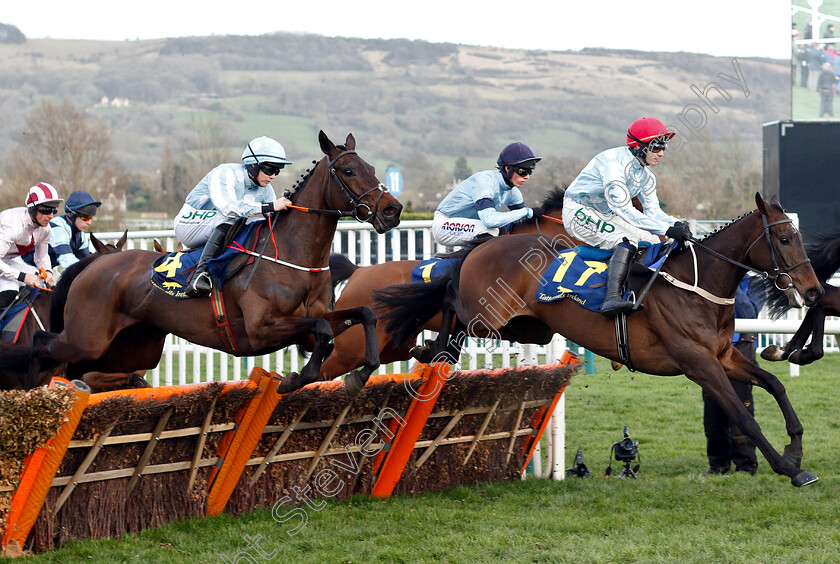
[{"x": 764, "y": 275}]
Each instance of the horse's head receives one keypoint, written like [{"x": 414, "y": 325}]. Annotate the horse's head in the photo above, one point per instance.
[
  {"x": 105, "y": 248},
  {"x": 361, "y": 193},
  {"x": 783, "y": 255}
]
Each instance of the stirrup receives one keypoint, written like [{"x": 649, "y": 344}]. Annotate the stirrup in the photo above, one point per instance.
[{"x": 200, "y": 285}]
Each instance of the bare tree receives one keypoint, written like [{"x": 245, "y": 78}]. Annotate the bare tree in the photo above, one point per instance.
[{"x": 62, "y": 145}]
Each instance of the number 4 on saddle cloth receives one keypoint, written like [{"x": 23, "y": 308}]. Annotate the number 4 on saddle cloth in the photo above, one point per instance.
[
  {"x": 580, "y": 274},
  {"x": 171, "y": 272}
]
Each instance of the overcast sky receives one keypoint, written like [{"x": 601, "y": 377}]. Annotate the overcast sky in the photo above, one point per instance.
[{"x": 743, "y": 28}]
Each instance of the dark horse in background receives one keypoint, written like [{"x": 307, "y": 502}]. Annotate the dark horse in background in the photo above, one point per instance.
[
  {"x": 363, "y": 281},
  {"x": 116, "y": 321},
  {"x": 679, "y": 331},
  {"x": 824, "y": 251},
  {"x": 42, "y": 316}
]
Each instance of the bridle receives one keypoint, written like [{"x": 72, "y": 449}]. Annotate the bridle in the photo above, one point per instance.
[
  {"x": 764, "y": 275},
  {"x": 361, "y": 212}
]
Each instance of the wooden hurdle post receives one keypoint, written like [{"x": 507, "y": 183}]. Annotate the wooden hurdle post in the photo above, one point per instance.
[
  {"x": 435, "y": 376},
  {"x": 243, "y": 440}
]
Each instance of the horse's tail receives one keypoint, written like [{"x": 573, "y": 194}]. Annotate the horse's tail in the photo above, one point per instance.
[
  {"x": 341, "y": 268},
  {"x": 408, "y": 306},
  {"x": 58, "y": 298}
]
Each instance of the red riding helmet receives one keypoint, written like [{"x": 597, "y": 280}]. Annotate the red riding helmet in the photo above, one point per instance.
[{"x": 645, "y": 130}]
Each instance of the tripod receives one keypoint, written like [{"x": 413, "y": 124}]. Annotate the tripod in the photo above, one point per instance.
[{"x": 627, "y": 472}]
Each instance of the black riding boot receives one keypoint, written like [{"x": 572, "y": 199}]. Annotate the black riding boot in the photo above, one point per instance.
[
  {"x": 616, "y": 273},
  {"x": 201, "y": 283}
]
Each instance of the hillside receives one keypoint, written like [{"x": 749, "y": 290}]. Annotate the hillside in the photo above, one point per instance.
[{"x": 412, "y": 104}]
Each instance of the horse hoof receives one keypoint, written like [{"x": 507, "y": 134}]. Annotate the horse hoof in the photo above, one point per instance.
[
  {"x": 137, "y": 381},
  {"x": 803, "y": 479},
  {"x": 353, "y": 383},
  {"x": 419, "y": 353},
  {"x": 773, "y": 353},
  {"x": 616, "y": 365},
  {"x": 287, "y": 384}
]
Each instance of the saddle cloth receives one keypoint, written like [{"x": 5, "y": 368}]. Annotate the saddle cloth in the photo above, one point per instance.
[
  {"x": 12, "y": 322},
  {"x": 171, "y": 272},
  {"x": 431, "y": 268},
  {"x": 580, "y": 274}
]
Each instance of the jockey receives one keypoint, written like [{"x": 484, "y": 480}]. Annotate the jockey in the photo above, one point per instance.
[
  {"x": 69, "y": 240},
  {"x": 22, "y": 230},
  {"x": 228, "y": 192},
  {"x": 598, "y": 205},
  {"x": 472, "y": 208}
]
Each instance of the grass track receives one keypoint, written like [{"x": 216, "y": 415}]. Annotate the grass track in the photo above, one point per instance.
[{"x": 671, "y": 514}]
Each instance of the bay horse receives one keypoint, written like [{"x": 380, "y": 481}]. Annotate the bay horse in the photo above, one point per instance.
[
  {"x": 824, "y": 251},
  {"x": 679, "y": 331},
  {"x": 363, "y": 281},
  {"x": 116, "y": 321}
]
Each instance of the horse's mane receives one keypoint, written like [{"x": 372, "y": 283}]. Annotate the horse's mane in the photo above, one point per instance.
[
  {"x": 553, "y": 202},
  {"x": 59, "y": 296},
  {"x": 304, "y": 178}
]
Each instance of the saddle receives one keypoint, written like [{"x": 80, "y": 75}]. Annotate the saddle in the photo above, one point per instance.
[{"x": 171, "y": 272}]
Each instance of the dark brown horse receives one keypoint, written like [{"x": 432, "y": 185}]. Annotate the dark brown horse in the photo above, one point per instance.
[
  {"x": 679, "y": 331},
  {"x": 40, "y": 317},
  {"x": 362, "y": 282},
  {"x": 116, "y": 321},
  {"x": 824, "y": 251}
]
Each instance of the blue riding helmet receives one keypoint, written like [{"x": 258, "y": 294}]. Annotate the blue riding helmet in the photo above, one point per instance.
[
  {"x": 517, "y": 154},
  {"x": 81, "y": 203}
]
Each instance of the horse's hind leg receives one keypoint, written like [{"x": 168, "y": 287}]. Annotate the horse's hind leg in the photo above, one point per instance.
[
  {"x": 342, "y": 320},
  {"x": 431, "y": 351}
]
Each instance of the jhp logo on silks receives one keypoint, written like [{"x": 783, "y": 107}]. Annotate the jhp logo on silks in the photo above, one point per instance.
[
  {"x": 594, "y": 224},
  {"x": 199, "y": 215}
]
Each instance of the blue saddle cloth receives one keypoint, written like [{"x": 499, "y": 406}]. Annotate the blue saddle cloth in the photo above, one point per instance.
[
  {"x": 431, "y": 268},
  {"x": 580, "y": 274},
  {"x": 15, "y": 309},
  {"x": 171, "y": 272}
]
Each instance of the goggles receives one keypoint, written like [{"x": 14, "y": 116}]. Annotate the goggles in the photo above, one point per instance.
[
  {"x": 523, "y": 171},
  {"x": 658, "y": 144},
  {"x": 271, "y": 169},
  {"x": 46, "y": 210}
]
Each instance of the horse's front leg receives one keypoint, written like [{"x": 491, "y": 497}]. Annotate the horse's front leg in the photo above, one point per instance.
[
  {"x": 739, "y": 368},
  {"x": 342, "y": 320},
  {"x": 289, "y": 330},
  {"x": 776, "y": 353},
  {"x": 814, "y": 351}
]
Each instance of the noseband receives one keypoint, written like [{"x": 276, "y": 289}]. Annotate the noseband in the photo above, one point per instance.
[{"x": 778, "y": 273}]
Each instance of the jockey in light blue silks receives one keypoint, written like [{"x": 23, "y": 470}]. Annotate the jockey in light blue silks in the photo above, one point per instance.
[
  {"x": 473, "y": 207},
  {"x": 598, "y": 205},
  {"x": 228, "y": 192},
  {"x": 69, "y": 240}
]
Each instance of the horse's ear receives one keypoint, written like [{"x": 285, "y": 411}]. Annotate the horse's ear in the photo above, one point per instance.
[
  {"x": 100, "y": 247},
  {"x": 327, "y": 146},
  {"x": 776, "y": 202},
  {"x": 158, "y": 247},
  {"x": 121, "y": 243},
  {"x": 760, "y": 204},
  {"x": 350, "y": 143}
]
